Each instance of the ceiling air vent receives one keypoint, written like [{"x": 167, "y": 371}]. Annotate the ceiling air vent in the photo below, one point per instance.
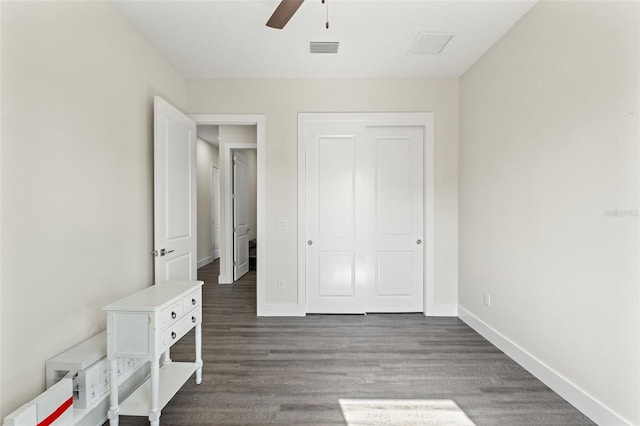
[
  {"x": 323, "y": 47},
  {"x": 429, "y": 43}
]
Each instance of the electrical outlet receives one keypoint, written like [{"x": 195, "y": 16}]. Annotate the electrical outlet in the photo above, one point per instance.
[
  {"x": 487, "y": 300},
  {"x": 281, "y": 284}
]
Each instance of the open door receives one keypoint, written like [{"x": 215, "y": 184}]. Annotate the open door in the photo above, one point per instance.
[
  {"x": 215, "y": 211},
  {"x": 175, "y": 237},
  {"x": 240, "y": 216}
]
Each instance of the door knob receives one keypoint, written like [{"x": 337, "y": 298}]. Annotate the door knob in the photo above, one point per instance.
[
  {"x": 419, "y": 242},
  {"x": 309, "y": 242},
  {"x": 164, "y": 252}
]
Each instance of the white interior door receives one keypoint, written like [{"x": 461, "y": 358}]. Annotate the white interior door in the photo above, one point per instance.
[
  {"x": 364, "y": 218},
  {"x": 240, "y": 216},
  {"x": 174, "y": 194},
  {"x": 335, "y": 237},
  {"x": 395, "y": 249},
  {"x": 215, "y": 211}
]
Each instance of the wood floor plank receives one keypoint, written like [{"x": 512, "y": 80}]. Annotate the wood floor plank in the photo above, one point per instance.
[{"x": 295, "y": 371}]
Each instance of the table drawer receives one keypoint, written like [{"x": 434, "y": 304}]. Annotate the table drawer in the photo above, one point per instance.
[
  {"x": 193, "y": 300},
  {"x": 179, "y": 329},
  {"x": 172, "y": 314}
]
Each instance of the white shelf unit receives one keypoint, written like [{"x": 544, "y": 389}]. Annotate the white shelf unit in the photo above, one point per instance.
[
  {"x": 145, "y": 325},
  {"x": 172, "y": 377}
]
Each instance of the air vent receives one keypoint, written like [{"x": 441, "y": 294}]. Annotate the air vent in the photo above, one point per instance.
[
  {"x": 323, "y": 47},
  {"x": 429, "y": 43}
]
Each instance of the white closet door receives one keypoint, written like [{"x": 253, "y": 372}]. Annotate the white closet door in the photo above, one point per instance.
[
  {"x": 335, "y": 236},
  {"x": 364, "y": 216},
  {"x": 395, "y": 249}
]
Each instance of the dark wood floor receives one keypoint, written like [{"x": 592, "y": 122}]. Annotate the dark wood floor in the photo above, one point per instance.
[{"x": 293, "y": 371}]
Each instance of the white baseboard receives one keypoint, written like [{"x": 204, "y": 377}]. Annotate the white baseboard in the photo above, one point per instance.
[
  {"x": 224, "y": 279},
  {"x": 442, "y": 310},
  {"x": 588, "y": 405},
  {"x": 205, "y": 261},
  {"x": 279, "y": 310}
]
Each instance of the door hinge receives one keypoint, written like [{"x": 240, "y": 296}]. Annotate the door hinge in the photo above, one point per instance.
[
  {"x": 233, "y": 196},
  {"x": 235, "y": 263}
]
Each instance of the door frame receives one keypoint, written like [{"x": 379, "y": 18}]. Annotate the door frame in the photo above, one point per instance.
[
  {"x": 257, "y": 120},
  {"x": 414, "y": 119}
]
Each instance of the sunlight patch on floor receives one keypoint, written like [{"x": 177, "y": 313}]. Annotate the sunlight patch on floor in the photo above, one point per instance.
[{"x": 428, "y": 412}]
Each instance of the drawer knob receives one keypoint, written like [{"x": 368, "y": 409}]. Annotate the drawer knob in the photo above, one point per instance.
[
  {"x": 193, "y": 319},
  {"x": 173, "y": 335},
  {"x": 173, "y": 315},
  {"x": 193, "y": 301}
]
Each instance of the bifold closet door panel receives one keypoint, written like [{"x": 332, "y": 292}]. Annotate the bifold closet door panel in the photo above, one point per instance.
[
  {"x": 395, "y": 250},
  {"x": 334, "y": 253}
]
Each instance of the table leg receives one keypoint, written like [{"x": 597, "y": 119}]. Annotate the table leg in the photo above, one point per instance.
[
  {"x": 114, "y": 407},
  {"x": 154, "y": 413},
  {"x": 199, "y": 353}
]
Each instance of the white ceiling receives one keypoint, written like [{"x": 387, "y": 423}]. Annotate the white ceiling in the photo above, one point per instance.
[{"x": 229, "y": 39}]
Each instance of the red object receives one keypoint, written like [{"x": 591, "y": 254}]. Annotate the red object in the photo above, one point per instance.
[{"x": 57, "y": 413}]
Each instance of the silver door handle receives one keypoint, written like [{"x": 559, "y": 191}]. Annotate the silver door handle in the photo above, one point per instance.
[
  {"x": 309, "y": 242},
  {"x": 419, "y": 242},
  {"x": 164, "y": 252}
]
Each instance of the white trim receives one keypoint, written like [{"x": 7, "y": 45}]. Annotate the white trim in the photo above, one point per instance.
[
  {"x": 587, "y": 404},
  {"x": 443, "y": 310},
  {"x": 424, "y": 119},
  {"x": 257, "y": 120},
  {"x": 225, "y": 278},
  {"x": 302, "y": 218},
  {"x": 280, "y": 310},
  {"x": 205, "y": 261}
]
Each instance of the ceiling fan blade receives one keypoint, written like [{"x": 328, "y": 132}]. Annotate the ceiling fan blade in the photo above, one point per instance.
[{"x": 285, "y": 10}]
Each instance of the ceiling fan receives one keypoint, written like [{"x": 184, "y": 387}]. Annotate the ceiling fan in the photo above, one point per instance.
[{"x": 285, "y": 10}]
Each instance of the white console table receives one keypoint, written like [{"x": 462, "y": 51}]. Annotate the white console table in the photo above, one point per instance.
[{"x": 145, "y": 325}]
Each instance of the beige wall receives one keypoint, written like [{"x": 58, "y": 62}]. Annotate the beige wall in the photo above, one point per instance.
[
  {"x": 548, "y": 150},
  {"x": 238, "y": 134},
  {"x": 281, "y": 100},
  {"x": 77, "y": 183},
  {"x": 206, "y": 155}
]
